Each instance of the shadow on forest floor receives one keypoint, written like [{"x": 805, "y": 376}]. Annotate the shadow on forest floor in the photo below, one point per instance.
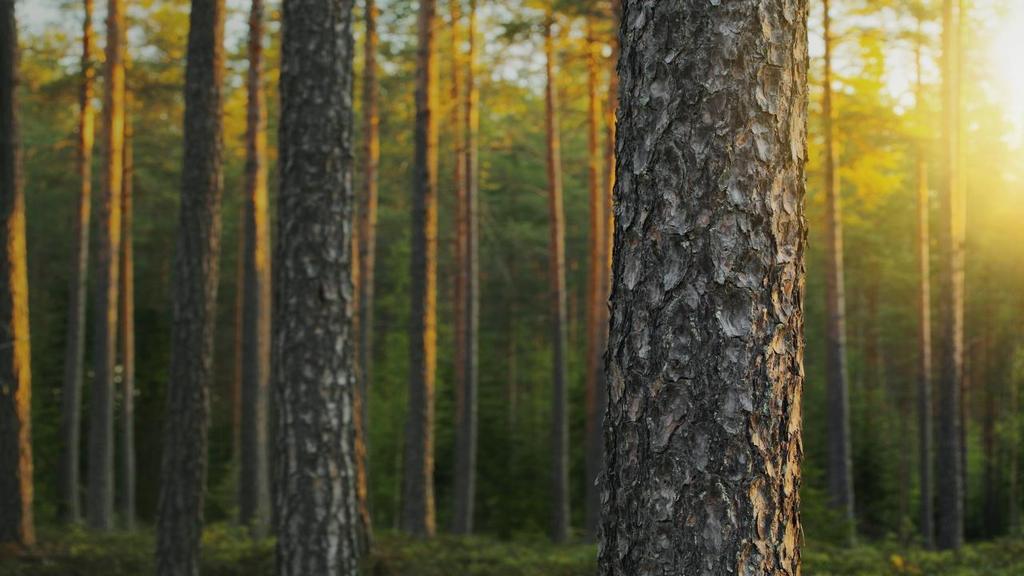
[{"x": 226, "y": 552}]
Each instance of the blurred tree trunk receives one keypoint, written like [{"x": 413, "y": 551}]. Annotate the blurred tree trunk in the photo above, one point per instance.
[
  {"x": 924, "y": 339},
  {"x": 194, "y": 298},
  {"x": 596, "y": 299},
  {"x": 127, "y": 317},
  {"x": 705, "y": 376},
  {"x": 560, "y": 402},
  {"x": 418, "y": 465},
  {"x": 840, "y": 467},
  {"x": 101, "y": 415},
  {"x": 254, "y": 483},
  {"x": 950, "y": 521},
  {"x": 315, "y": 343},
  {"x": 74, "y": 353},
  {"x": 16, "y": 521}
]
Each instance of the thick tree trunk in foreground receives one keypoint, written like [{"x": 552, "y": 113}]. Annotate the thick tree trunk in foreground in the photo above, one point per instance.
[
  {"x": 315, "y": 346},
  {"x": 705, "y": 371},
  {"x": 74, "y": 353},
  {"x": 126, "y": 494},
  {"x": 16, "y": 525},
  {"x": 840, "y": 464},
  {"x": 417, "y": 515},
  {"x": 180, "y": 508},
  {"x": 596, "y": 299},
  {"x": 101, "y": 414},
  {"x": 559, "y": 382},
  {"x": 254, "y": 479},
  {"x": 949, "y": 487}
]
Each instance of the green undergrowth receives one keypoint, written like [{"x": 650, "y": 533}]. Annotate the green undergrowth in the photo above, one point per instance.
[{"x": 227, "y": 552}]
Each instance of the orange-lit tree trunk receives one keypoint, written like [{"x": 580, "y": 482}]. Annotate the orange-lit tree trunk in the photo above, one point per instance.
[
  {"x": 949, "y": 486},
  {"x": 16, "y": 525},
  {"x": 840, "y": 473},
  {"x": 254, "y": 479},
  {"x": 417, "y": 515},
  {"x": 101, "y": 415},
  {"x": 126, "y": 495},
  {"x": 74, "y": 352},
  {"x": 595, "y": 288},
  {"x": 194, "y": 299},
  {"x": 559, "y": 381}
]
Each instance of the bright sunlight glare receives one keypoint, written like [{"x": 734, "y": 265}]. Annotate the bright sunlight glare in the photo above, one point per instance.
[{"x": 1007, "y": 53}]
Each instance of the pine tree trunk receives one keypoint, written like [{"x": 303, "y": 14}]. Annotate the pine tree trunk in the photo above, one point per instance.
[
  {"x": 126, "y": 495},
  {"x": 16, "y": 520},
  {"x": 924, "y": 340},
  {"x": 194, "y": 299},
  {"x": 74, "y": 353},
  {"x": 840, "y": 468},
  {"x": 254, "y": 480},
  {"x": 101, "y": 415},
  {"x": 705, "y": 376},
  {"x": 368, "y": 248},
  {"x": 560, "y": 400},
  {"x": 595, "y": 288},
  {"x": 315, "y": 342},
  {"x": 418, "y": 465},
  {"x": 950, "y": 521}
]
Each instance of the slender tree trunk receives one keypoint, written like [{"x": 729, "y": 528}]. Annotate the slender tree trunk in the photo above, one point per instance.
[
  {"x": 924, "y": 338},
  {"x": 127, "y": 318},
  {"x": 468, "y": 313},
  {"x": 254, "y": 483},
  {"x": 101, "y": 415},
  {"x": 16, "y": 521},
  {"x": 560, "y": 400},
  {"x": 705, "y": 376},
  {"x": 74, "y": 353},
  {"x": 950, "y": 521},
  {"x": 512, "y": 386},
  {"x": 840, "y": 469},
  {"x": 595, "y": 288},
  {"x": 315, "y": 342},
  {"x": 1013, "y": 456},
  {"x": 418, "y": 466},
  {"x": 368, "y": 246},
  {"x": 194, "y": 299}
]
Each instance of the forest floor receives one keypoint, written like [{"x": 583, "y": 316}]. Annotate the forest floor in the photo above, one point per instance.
[{"x": 227, "y": 553}]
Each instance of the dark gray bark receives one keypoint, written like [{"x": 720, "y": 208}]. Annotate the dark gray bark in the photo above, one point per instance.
[
  {"x": 74, "y": 352},
  {"x": 705, "y": 375},
  {"x": 417, "y": 516},
  {"x": 315, "y": 346},
  {"x": 194, "y": 299},
  {"x": 254, "y": 479},
  {"x": 948, "y": 457},
  {"x": 126, "y": 494},
  {"x": 16, "y": 522},
  {"x": 840, "y": 463},
  {"x": 559, "y": 338},
  {"x": 101, "y": 413}
]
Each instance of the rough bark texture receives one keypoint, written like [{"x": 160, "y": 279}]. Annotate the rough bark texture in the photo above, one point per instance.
[
  {"x": 949, "y": 487},
  {"x": 74, "y": 352},
  {"x": 924, "y": 335},
  {"x": 16, "y": 525},
  {"x": 368, "y": 246},
  {"x": 702, "y": 433},
  {"x": 840, "y": 464},
  {"x": 559, "y": 339},
  {"x": 417, "y": 515},
  {"x": 126, "y": 494},
  {"x": 101, "y": 414},
  {"x": 596, "y": 299},
  {"x": 254, "y": 479},
  {"x": 194, "y": 298},
  {"x": 315, "y": 347},
  {"x": 468, "y": 313}
]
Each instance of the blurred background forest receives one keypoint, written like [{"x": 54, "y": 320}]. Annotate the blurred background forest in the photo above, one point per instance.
[{"x": 882, "y": 119}]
